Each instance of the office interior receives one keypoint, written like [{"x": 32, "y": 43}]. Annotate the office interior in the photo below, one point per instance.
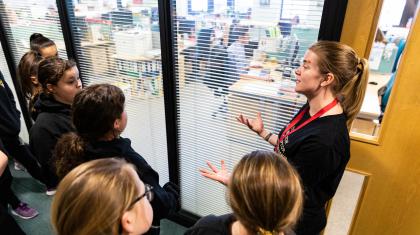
[{"x": 182, "y": 99}]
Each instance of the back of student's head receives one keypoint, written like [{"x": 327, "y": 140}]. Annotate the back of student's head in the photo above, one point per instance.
[
  {"x": 94, "y": 112},
  {"x": 265, "y": 193},
  {"x": 51, "y": 70},
  {"x": 92, "y": 198},
  {"x": 28, "y": 72},
  {"x": 44, "y": 46}
]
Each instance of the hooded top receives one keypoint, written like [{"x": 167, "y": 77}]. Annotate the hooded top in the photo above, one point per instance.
[
  {"x": 53, "y": 119},
  {"x": 9, "y": 115},
  {"x": 165, "y": 199}
]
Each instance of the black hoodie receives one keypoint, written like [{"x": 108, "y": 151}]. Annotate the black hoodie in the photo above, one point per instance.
[
  {"x": 9, "y": 115},
  {"x": 165, "y": 200},
  {"x": 53, "y": 120}
]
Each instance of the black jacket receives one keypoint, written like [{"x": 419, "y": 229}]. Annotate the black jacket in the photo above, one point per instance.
[
  {"x": 319, "y": 152},
  {"x": 217, "y": 225},
  {"x": 212, "y": 225},
  {"x": 165, "y": 200},
  {"x": 53, "y": 120},
  {"x": 9, "y": 115}
]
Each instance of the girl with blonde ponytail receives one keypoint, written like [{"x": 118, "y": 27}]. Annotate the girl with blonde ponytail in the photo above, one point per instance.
[
  {"x": 316, "y": 141},
  {"x": 265, "y": 195}
]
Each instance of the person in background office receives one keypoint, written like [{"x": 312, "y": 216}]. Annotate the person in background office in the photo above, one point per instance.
[
  {"x": 236, "y": 51},
  {"x": 60, "y": 82},
  {"x": 265, "y": 195},
  {"x": 99, "y": 118},
  {"x": 199, "y": 57},
  {"x": 123, "y": 206},
  {"x": 232, "y": 36},
  {"x": 44, "y": 46},
  {"x": 385, "y": 91},
  {"x": 333, "y": 79}
]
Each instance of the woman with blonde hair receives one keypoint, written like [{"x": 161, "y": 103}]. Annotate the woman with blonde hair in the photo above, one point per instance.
[
  {"x": 316, "y": 141},
  {"x": 103, "y": 196},
  {"x": 265, "y": 195}
]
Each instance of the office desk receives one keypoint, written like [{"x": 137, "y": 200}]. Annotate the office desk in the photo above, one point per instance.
[
  {"x": 371, "y": 108},
  {"x": 98, "y": 56}
]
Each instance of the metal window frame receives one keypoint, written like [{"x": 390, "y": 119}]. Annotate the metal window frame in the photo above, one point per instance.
[{"x": 65, "y": 15}]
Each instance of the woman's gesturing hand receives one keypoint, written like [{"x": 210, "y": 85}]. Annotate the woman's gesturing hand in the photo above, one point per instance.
[
  {"x": 256, "y": 124},
  {"x": 221, "y": 175}
]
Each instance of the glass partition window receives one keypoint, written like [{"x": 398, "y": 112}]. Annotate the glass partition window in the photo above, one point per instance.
[
  {"x": 387, "y": 50},
  {"x": 118, "y": 42},
  {"x": 233, "y": 62},
  {"x": 22, "y": 18}
]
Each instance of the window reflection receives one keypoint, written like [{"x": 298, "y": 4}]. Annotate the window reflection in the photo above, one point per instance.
[{"x": 387, "y": 49}]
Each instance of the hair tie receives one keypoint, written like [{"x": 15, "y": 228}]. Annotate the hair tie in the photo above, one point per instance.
[{"x": 264, "y": 232}]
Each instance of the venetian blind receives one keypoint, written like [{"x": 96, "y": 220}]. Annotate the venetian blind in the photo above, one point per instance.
[
  {"x": 117, "y": 42},
  {"x": 239, "y": 59},
  {"x": 22, "y": 18}
]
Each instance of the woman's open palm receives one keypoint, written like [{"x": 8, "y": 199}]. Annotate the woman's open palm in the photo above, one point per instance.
[
  {"x": 256, "y": 124},
  {"x": 221, "y": 175}
]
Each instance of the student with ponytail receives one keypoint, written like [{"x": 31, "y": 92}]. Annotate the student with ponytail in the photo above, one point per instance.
[
  {"x": 44, "y": 46},
  {"x": 99, "y": 116},
  {"x": 316, "y": 141},
  {"x": 265, "y": 195},
  {"x": 60, "y": 82}
]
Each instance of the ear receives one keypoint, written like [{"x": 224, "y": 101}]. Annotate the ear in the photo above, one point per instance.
[
  {"x": 117, "y": 124},
  {"x": 127, "y": 222},
  {"x": 328, "y": 79},
  {"x": 50, "y": 88},
  {"x": 34, "y": 80}
]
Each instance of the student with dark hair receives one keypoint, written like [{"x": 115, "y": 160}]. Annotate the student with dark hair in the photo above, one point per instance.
[
  {"x": 28, "y": 77},
  {"x": 8, "y": 197},
  {"x": 44, "y": 46},
  {"x": 265, "y": 195},
  {"x": 10, "y": 142},
  {"x": 99, "y": 118},
  {"x": 60, "y": 83}
]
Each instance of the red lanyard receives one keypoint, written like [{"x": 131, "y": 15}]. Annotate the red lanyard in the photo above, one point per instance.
[{"x": 299, "y": 117}]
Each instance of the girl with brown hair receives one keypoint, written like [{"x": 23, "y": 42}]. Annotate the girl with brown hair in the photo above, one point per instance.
[
  {"x": 333, "y": 79},
  {"x": 28, "y": 77},
  {"x": 265, "y": 195},
  {"x": 60, "y": 82},
  {"x": 44, "y": 46},
  {"x": 102, "y": 196},
  {"x": 99, "y": 117}
]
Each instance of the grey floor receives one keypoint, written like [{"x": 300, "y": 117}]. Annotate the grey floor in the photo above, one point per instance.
[{"x": 30, "y": 191}]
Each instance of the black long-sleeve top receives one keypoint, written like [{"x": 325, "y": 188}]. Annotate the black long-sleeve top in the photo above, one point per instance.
[
  {"x": 53, "y": 120},
  {"x": 319, "y": 152},
  {"x": 9, "y": 115}
]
